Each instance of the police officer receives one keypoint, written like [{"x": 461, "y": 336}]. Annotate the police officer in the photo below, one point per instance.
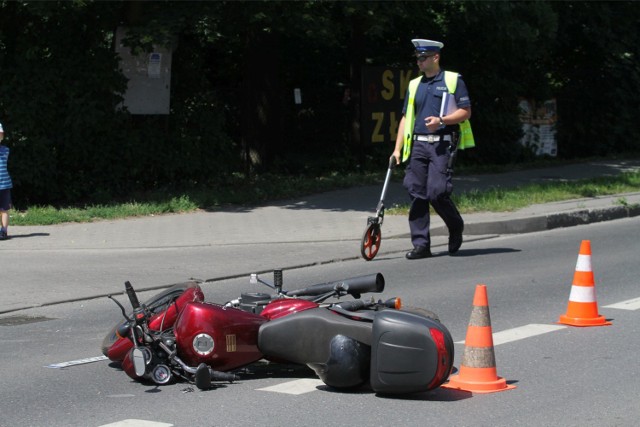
[{"x": 425, "y": 134}]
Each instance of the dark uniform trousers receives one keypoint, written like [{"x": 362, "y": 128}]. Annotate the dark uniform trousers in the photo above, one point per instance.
[{"x": 429, "y": 180}]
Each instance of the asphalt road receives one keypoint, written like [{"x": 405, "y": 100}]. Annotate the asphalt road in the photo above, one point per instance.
[{"x": 568, "y": 376}]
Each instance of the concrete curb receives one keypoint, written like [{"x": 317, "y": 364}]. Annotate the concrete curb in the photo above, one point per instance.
[{"x": 546, "y": 221}]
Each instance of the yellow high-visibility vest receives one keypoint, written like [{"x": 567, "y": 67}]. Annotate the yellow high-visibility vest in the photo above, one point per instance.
[{"x": 466, "y": 135}]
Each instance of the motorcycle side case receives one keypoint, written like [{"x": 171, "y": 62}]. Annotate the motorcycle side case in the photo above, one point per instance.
[
  {"x": 404, "y": 355},
  {"x": 224, "y": 338},
  {"x": 334, "y": 346}
]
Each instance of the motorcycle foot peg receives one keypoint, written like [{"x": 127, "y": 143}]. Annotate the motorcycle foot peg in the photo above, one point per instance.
[{"x": 203, "y": 377}]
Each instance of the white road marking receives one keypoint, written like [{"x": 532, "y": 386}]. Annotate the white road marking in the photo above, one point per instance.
[
  {"x": 630, "y": 304},
  {"x": 521, "y": 333},
  {"x": 77, "y": 362},
  {"x": 302, "y": 386},
  {"x": 136, "y": 423}
]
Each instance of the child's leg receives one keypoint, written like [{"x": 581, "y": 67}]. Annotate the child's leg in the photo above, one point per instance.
[
  {"x": 5, "y": 205},
  {"x": 4, "y": 218}
]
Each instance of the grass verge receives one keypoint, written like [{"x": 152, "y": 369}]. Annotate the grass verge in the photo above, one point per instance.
[
  {"x": 504, "y": 200},
  {"x": 270, "y": 188},
  {"x": 237, "y": 192}
]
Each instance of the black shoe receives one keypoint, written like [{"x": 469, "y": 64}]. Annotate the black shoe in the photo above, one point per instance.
[
  {"x": 455, "y": 241},
  {"x": 419, "y": 252}
]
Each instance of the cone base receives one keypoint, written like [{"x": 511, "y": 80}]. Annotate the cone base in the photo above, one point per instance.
[
  {"x": 500, "y": 384},
  {"x": 583, "y": 321}
]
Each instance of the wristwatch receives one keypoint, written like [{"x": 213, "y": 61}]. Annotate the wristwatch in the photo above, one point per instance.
[{"x": 442, "y": 125}]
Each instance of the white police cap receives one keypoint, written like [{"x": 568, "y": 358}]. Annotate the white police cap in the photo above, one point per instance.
[{"x": 423, "y": 45}]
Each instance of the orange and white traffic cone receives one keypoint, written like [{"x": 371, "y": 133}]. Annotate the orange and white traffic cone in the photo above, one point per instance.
[
  {"x": 478, "y": 372},
  {"x": 583, "y": 307}
]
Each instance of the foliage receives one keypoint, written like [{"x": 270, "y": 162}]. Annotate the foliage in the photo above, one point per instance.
[
  {"x": 594, "y": 72},
  {"x": 237, "y": 63}
]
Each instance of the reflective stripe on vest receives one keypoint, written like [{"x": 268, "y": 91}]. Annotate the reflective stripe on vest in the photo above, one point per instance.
[
  {"x": 410, "y": 118},
  {"x": 466, "y": 135}
]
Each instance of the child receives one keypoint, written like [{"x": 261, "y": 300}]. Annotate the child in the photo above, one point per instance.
[{"x": 5, "y": 188}]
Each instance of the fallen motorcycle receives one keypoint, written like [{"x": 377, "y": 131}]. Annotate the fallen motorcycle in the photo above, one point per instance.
[{"x": 176, "y": 335}]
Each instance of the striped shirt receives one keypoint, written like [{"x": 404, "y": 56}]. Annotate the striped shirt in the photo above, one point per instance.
[{"x": 5, "y": 179}]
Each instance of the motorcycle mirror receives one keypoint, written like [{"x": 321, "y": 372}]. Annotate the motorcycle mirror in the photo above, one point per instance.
[{"x": 139, "y": 361}]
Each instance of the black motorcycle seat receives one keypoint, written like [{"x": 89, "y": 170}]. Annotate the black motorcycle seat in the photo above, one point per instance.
[{"x": 305, "y": 337}]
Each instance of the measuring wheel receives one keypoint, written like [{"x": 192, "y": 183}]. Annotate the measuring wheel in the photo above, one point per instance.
[
  {"x": 371, "y": 240},
  {"x": 372, "y": 236}
]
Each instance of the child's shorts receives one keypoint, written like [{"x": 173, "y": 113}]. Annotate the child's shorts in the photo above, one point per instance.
[{"x": 5, "y": 199}]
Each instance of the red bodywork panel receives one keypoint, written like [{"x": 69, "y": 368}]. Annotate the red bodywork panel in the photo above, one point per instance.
[{"x": 283, "y": 307}]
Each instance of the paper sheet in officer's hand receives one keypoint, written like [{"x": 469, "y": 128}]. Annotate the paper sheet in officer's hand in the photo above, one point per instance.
[{"x": 449, "y": 104}]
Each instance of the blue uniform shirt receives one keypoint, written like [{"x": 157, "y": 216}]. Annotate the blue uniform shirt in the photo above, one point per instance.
[{"x": 428, "y": 101}]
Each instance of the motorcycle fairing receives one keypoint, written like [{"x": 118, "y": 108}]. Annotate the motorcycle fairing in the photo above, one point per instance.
[
  {"x": 404, "y": 356},
  {"x": 165, "y": 314}
]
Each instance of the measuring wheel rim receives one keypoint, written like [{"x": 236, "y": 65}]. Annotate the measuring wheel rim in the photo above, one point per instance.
[{"x": 370, "y": 243}]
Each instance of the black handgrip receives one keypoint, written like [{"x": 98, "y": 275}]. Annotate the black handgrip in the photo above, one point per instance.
[
  {"x": 354, "y": 286},
  {"x": 364, "y": 284},
  {"x": 223, "y": 376},
  {"x": 353, "y": 305},
  {"x": 133, "y": 298},
  {"x": 392, "y": 162}
]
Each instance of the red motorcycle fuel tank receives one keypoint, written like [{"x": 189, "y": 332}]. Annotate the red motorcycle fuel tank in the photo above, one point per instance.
[{"x": 224, "y": 338}]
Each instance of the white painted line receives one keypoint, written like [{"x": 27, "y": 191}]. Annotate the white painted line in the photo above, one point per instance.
[
  {"x": 77, "y": 362},
  {"x": 136, "y": 423},
  {"x": 521, "y": 333},
  {"x": 630, "y": 304},
  {"x": 302, "y": 386}
]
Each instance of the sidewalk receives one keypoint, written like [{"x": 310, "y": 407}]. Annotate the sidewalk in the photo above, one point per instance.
[{"x": 48, "y": 264}]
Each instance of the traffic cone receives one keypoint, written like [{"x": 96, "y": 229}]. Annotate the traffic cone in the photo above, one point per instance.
[
  {"x": 583, "y": 307},
  {"x": 478, "y": 368}
]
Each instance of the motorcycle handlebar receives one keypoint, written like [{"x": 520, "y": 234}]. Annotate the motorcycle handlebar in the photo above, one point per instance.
[
  {"x": 131, "y": 293},
  {"x": 353, "y": 286},
  {"x": 353, "y": 305},
  {"x": 223, "y": 376}
]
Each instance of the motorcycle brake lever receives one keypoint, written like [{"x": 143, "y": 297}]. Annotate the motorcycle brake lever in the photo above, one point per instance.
[{"x": 124, "y": 312}]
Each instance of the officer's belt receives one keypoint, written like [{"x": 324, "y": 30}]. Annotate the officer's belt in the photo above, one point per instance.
[{"x": 432, "y": 138}]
